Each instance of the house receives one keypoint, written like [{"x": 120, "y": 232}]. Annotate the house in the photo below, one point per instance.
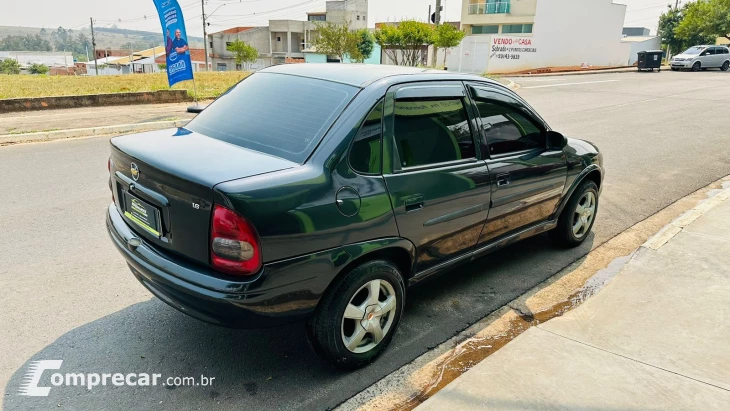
[
  {"x": 517, "y": 35},
  {"x": 197, "y": 58},
  {"x": 136, "y": 62},
  {"x": 283, "y": 41},
  {"x": 61, "y": 61}
]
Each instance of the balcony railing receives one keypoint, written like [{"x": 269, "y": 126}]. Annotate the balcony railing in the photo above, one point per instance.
[{"x": 501, "y": 7}]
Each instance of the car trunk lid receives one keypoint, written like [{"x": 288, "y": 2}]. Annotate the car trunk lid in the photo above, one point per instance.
[{"x": 163, "y": 184}]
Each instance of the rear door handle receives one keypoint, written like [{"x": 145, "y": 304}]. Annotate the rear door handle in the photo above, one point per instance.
[
  {"x": 502, "y": 180},
  {"x": 414, "y": 203}
]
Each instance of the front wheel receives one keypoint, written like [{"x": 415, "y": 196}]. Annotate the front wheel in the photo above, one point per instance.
[
  {"x": 578, "y": 216},
  {"x": 697, "y": 66},
  {"x": 725, "y": 66},
  {"x": 358, "y": 316}
]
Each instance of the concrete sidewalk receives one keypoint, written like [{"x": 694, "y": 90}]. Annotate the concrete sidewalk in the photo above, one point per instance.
[
  {"x": 656, "y": 338},
  {"x": 76, "y": 118},
  {"x": 582, "y": 72}
]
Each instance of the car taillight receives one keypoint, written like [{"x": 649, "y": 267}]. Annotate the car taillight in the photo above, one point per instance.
[{"x": 234, "y": 244}]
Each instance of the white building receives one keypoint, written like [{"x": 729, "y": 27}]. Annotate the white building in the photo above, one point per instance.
[
  {"x": 515, "y": 35},
  {"x": 284, "y": 41},
  {"x": 641, "y": 43},
  {"x": 48, "y": 58}
]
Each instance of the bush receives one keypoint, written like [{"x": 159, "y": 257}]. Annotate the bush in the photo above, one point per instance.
[
  {"x": 38, "y": 69},
  {"x": 9, "y": 66}
]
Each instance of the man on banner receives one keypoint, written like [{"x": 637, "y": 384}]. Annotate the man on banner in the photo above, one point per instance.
[{"x": 179, "y": 66}]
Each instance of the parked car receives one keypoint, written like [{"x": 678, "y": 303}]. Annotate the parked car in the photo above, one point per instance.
[
  {"x": 701, "y": 58},
  {"x": 322, "y": 192}
]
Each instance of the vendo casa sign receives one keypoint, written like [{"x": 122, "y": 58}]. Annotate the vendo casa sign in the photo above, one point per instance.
[{"x": 511, "y": 48}]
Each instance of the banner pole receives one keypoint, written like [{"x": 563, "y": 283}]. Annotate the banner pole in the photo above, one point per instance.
[{"x": 196, "y": 107}]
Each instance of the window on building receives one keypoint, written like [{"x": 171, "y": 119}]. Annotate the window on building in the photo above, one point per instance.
[
  {"x": 321, "y": 17},
  {"x": 516, "y": 28},
  {"x": 506, "y": 129},
  {"x": 365, "y": 154},
  {"x": 211, "y": 45},
  {"x": 358, "y": 17},
  {"x": 492, "y": 29},
  {"x": 278, "y": 38},
  {"x": 228, "y": 44},
  {"x": 432, "y": 131},
  {"x": 221, "y": 67}
]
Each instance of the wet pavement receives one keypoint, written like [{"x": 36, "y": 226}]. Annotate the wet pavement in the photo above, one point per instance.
[{"x": 655, "y": 337}]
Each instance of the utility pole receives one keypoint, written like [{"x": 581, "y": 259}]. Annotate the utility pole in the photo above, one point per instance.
[
  {"x": 205, "y": 35},
  {"x": 438, "y": 12},
  {"x": 93, "y": 44},
  {"x": 429, "y": 14},
  {"x": 437, "y": 21}
]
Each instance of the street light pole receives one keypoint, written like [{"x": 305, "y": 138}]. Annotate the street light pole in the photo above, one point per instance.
[
  {"x": 93, "y": 44},
  {"x": 205, "y": 35}
]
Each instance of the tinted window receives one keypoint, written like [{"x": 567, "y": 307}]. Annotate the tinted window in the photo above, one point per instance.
[
  {"x": 725, "y": 51},
  {"x": 276, "y": 114},
  {"x": 710, "y": 51},
  {"x": 507, "y": 130},
  {"x": 494, "y": 29},
  {"x": 432, "y": 131},
  {"x": 365, "y": 152}
]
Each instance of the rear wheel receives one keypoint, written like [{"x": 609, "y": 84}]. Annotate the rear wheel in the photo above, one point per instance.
[
  {"x": 357, "y": 318},
  {"x": 697, "y": 66},
  {"x": 576, "y": 220},
  {"x": 725, "y": 66}
]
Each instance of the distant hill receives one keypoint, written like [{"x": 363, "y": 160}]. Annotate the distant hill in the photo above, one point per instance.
[{"x": 106, "y": 37}]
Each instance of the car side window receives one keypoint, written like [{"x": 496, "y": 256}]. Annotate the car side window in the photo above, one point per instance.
[
  {"x": 725, "y": 51},
  {"x": 506, "y": 129},
  {"x": 432, "y": 131},
  {"x": 365, "y": 153}
]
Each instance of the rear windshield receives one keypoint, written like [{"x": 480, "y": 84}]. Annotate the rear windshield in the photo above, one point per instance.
[{"x": 282, "y": 115}]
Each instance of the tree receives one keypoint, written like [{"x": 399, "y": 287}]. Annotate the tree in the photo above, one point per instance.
[
  {"x": 25, "y": 43},
  {"x": 36, "y": 68},
  {"x": 243, "y": 52},
  {"x": 668, "y": 22},
  {"x": 9, "y": 66},
  {"x": 705, "y": 19},
  {"x": 405, "y": 40},
  {"x": 337, "y": 40},
  {"x": 447, "y": 37},
  {"x": 365, "y": 45}
]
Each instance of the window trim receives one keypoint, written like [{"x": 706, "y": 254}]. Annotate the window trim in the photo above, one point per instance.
[
  {"x": 420, "y": 89},
  {"x": 359, "y": 128},
  {"x": 528, "y": 112}
]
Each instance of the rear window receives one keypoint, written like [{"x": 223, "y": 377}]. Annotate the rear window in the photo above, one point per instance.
[{"x": 282, "y": 115}]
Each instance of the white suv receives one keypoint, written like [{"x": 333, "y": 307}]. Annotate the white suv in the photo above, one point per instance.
[{"x": 702, "y": 57}]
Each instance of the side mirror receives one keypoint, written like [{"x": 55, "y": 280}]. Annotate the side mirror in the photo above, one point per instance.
[{"x": 556, "y": 141}]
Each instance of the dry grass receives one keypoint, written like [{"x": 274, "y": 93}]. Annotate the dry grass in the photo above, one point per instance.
[{"x": 210, "y": 84}]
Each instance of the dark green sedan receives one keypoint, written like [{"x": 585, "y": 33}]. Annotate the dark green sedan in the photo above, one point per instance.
[{"x": 320, "y": 193}]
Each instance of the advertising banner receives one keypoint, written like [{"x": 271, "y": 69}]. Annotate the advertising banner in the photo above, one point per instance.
[{"x": 179, "y": 67}]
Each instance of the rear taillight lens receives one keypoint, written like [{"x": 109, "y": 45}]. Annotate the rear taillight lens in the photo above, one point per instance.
[{"x": 234, "y": 244}]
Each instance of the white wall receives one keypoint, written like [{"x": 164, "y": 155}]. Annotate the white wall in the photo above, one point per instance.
[
  {"x": 565, "y": 33},
  {"x": 654, "y": 43}
]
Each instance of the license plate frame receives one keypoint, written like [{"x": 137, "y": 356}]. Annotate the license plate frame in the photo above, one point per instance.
[{"x": 143, "y": 214}]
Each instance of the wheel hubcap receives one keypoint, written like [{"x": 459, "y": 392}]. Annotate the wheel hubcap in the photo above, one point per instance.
[
  {"x": 368, "y": 316},
  {"x": 585, "y": 211}
]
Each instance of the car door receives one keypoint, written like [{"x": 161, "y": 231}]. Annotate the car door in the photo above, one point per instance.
[
  {"x": 707, "y": 57},
  {"x": 527, "y": 176},
  {"x": 438, "y": 186},
  {"x": 717, "y": 57}
]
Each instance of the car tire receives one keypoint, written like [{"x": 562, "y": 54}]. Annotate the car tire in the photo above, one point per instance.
[
  {"x": 333, "y": 323},
  {"x": 725, "y": 66},
  {"x": 578, "y": 216},
  {"x": 697, "y": 66},
  {"x": 675, "y": 69}
]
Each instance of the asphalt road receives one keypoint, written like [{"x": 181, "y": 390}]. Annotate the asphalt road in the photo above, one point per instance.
[{"x": 66, "y": 294}]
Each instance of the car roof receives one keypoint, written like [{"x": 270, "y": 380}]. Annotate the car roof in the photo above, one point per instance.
[{"x": 358, "y": 75}]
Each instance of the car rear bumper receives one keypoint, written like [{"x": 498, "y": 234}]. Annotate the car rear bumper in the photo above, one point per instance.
[{"x": 262, "y": 302}]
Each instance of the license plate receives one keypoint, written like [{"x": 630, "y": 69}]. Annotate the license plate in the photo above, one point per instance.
[{"x": 142, "y": 213}]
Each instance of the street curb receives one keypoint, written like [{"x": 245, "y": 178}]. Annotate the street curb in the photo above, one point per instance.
[
  {"x": 675, "y": 227},
  {"x": 87, "y": 132},
  {"x": 581, "y": 73}
]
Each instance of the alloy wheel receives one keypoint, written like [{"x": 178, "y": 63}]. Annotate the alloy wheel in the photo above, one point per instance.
[
  {"x": 584, "y": 213},
  {"x": 368, "y": 316}
]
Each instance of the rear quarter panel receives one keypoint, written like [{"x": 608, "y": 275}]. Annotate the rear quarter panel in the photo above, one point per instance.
[{"x": 294, "y": 211}]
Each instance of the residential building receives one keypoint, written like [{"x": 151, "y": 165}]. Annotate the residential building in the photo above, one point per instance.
[
  {"x": 197, "y": 58},
  {"x": 506, "y": 36},
  {"x": 283, "y": 41},
  {"x": 103, "y": 53},
  {"x": 136, "y": 62}
]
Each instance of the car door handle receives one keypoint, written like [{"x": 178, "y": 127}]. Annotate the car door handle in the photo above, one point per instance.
[
  {"x": 502, "y": 180},
  {"x": 414, "y": 203}
]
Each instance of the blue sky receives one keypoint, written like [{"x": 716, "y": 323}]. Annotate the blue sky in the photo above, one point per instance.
[{"x": 228, "y": 13}]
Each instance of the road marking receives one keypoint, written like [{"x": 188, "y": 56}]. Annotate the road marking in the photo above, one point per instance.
[{"x": 572, "y": 84}]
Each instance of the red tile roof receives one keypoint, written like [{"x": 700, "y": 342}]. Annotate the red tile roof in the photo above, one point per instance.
[
  {"x": 234, "y": 30},
  {"x": 195, "y": 55}
]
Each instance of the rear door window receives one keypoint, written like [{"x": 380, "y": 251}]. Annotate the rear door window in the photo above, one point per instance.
[
  {"x": 365, "y": 153},
  {"x": 281, "y": 115}
]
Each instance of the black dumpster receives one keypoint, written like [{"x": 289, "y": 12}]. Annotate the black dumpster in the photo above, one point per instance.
[{"x": 650, "y": 60}]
